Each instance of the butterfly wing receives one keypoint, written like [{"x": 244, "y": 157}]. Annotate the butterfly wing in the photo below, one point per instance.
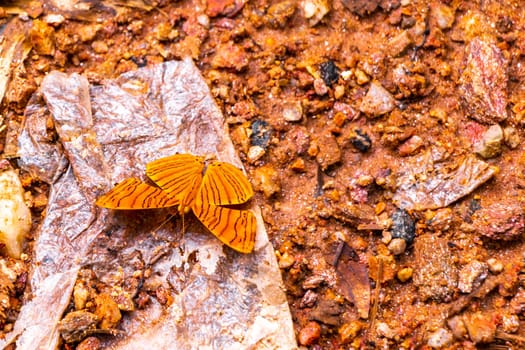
[
  {"x": 224, "y": 184},
  {"x": 135, "y": 194},
  {"x": 178, "y": 175},
  {"x": 235, "y": 228}
]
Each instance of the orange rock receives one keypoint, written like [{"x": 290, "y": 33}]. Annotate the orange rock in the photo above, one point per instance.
[
  {"x": 310, "y": 333},
  {"x": 107, "y": 311}
]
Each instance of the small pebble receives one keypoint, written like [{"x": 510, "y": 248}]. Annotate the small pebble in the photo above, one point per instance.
[
  {"x": 379, "y": 208},
  {"x": 348, "y": 331},
  {"x": 99, "y": 46},
  {"x": 286, "y": 260},
  {"x": 123, "y": 298},
  {"x": 266, "y": 180},
  {"x": 329, "y": 184},
  {"x": 293, "y": 112},
  {"x": 39, "y": 200},
  {"x": 339, "y": 91},
  {"x": 384, "y": 330},
  {"x": 443, "y": 15},
  {"x": 471, "y": 275},
  {"x": 313, "y": 282},
  {"x": 347, "y": 74},
  {"x": 361, "y": 77},
  {"x": 313, "y": 149},
  {"x": 298, "y": 165},
  {"x": 90, "y": 343},
  {"x": 440, "y": 338},
  {"x": 411, "y": 146},
  {"x": 42, "y": 37},
  {"x": 255, "y": 153},
  {"x": 403, "y": 226},
  {"x": 439, "y": 220},
  {"x": 309, "y": 299},
  {"x": 107, "y": 311},
  {"x": 511, "y": 136},
  {"x": 364, "y": 180},
  {"x": 510, "y": 323},
  {"x": 490, "y": 144},
  {"x": 457, "y": 326},
  {"x": 329, "y": 72},
  {"x": 80, "y": 295},
  {"x": 339, "y": 119},
  {"x": 315, "y": 10},
  {"x": 320, "y": 87},
  {"x": 203, "y": 20},
  {"x": 495, "y": 266},
  {"x": 279, "y": 13},
  {"x": 377, "y": 101},
  {"x": 386, "y": 237},
  {"x": 399, "y": 44},
  {"x": 397, "y": 246},
  {"x": 15, "y": 216},
  {"x": 74, "y": 326},
  {"x": 260, "y": 133},
  {"x": 329, "y": 152},
  {"x": 405, "y": 274},
  {"x": 164, "y": 31},
  {"x": 310, "y": 333},
  {"x": 481, "y": 327},
  {"x": 360, "y": 140},
  {"x": 54, "y": 19}
]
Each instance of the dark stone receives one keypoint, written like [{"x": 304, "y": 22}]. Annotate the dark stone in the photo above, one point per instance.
[
  {"x": 261, "y": 132},
  {"x": 361, "y": 141},
  {"x": 403, "y": 226},
  {"x": 329, "y": 72}
]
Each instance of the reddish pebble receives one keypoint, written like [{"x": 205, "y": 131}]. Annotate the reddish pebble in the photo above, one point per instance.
[
  {"x": 90, "y": 343},
  {"x": 309, "y": 333}
]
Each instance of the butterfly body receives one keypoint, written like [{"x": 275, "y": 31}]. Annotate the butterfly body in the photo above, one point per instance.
[{"x": 193, "y": 183}]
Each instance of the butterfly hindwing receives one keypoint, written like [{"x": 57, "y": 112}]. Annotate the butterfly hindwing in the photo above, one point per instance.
[
  {"x": 135, "y": 194},
  {"x": 235, "y": 228}
]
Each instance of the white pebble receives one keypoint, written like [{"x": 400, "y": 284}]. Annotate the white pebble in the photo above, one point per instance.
[
  {"x": 397, "y": 246},
  {"x": 377, "y": 101},
  {"x": 293, "y": 112},
  {"x": 440, "y": 338},
  {"x": 15, "y": 216},
  {"x": 203, "y": 20},
  {"x": 315, "y": 10},
  {"x": 255, "y": 153},
  {"x": 384, "y": 330},
  {"x": 495, "y": 266}
]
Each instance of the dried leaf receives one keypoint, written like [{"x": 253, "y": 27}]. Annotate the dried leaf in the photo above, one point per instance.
[
  {"x": 352, "y": 280},
  {"x": 427, "y": 182}
]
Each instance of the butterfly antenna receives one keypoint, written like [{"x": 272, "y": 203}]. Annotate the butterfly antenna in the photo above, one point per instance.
[{"x": 171, "y": 216}]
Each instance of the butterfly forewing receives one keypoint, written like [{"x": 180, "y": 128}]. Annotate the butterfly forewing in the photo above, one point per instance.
[
  {"x": 224, "y": 184},
  {"x": 235, "y": 228},
  {"x": 178, "y": 175},
  {"x": 135, "y": 194}
]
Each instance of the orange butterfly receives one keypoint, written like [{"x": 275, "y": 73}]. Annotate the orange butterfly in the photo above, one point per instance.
[{"x": 197, "y": 184}]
